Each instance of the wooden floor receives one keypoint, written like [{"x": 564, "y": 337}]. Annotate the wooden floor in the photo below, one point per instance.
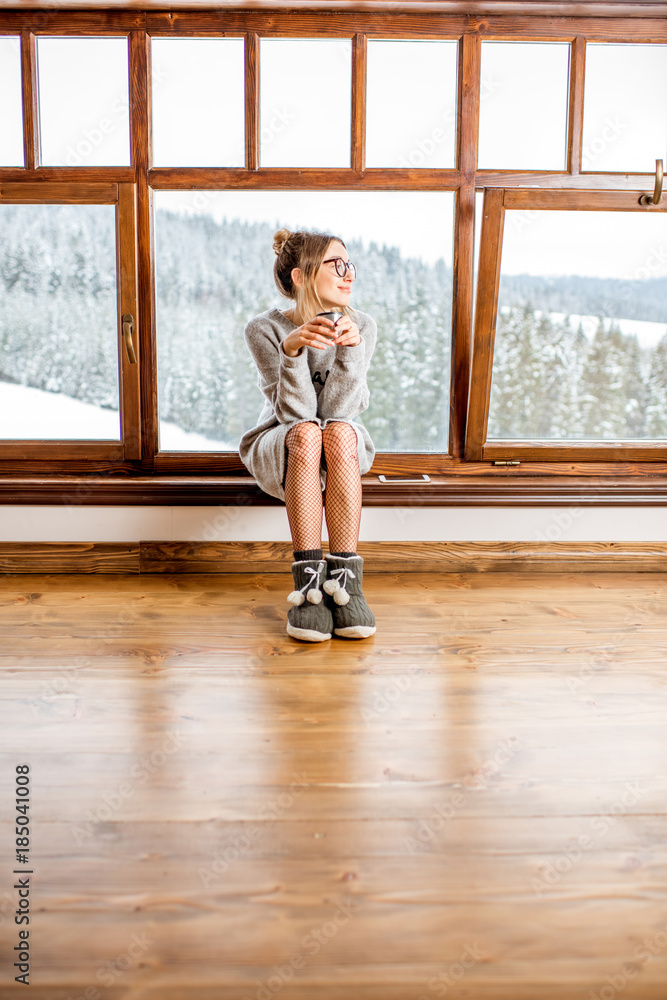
[{"x": 472, "y": 803}]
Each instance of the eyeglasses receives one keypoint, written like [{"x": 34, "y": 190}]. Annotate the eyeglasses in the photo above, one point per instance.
[{"x": 342, "y": 266}]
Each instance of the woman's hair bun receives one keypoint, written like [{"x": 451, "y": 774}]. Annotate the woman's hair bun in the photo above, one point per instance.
[{"x": 280, "y": 239}]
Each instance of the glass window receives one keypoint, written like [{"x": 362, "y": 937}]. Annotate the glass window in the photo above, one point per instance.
[
  {"x": 58, "y": 322},
  {"x": 305, "y": 102},
  {"x": 11, "y": 114},
  {"x": 625, "y": 122},
  {"x": 581, "y": 333},
  {"x": 523, "y": 105},
  {"x": 198, "y": 102},
  {"x": 411, "y": 104},
  {"x": 83, "y": 102},
  {"x": 214, "y": 262}
]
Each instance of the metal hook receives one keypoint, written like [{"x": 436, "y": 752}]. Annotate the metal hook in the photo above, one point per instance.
[{"x": 656, "y": 197}]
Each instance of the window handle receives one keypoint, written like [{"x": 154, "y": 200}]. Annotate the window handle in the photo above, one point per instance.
[
  {"x": 656, "y": 197},
  {"x": 128, "y": 324}
]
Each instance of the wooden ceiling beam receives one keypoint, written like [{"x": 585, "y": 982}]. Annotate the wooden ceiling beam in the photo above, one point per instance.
[{"x": 550, "y": 8}]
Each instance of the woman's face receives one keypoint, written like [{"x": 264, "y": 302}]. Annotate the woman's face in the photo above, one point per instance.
[{"x": 333, "y": 290}]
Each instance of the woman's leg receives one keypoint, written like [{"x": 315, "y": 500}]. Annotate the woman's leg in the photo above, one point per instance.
[
  {"x": 352, "y": 618},
  {"x": 303, "y": 489},
  {"x": 309, "y": 617},
  {"x": 343, "y": 489}
]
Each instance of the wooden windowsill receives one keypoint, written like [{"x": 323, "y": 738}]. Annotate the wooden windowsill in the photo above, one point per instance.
[{"x": 497, "y": 488}]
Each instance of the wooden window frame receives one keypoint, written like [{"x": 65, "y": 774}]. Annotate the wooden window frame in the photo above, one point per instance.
[
  {"x": 478, "y": 446},
  {"x": 455, "y": 475},
  {"x": 121, "y": 196}
]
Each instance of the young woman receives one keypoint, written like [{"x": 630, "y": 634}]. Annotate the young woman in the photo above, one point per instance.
[{"x": 313, "y": 374}]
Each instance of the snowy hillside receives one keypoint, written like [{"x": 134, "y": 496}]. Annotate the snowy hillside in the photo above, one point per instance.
[{"x": 49, "y": 416}]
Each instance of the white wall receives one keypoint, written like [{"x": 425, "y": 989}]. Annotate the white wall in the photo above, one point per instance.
[{"x": 71, "y": 523}]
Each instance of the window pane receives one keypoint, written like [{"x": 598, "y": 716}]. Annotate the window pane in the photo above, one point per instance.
[
  {"x": 411, "y": 104},
  {"x": 523, "y": 105},
  {"x": 198, "y": 102},
  {"x": 305, "y": 102},
  {"x": 581, "y": 338},
  {"x": 214, "y": 262},
  {"x": 58, "y": 322},
  {"x": 11, "y": 114},
  {"x": 625, "y": 122},
  {"x": 83, "y": 101}
]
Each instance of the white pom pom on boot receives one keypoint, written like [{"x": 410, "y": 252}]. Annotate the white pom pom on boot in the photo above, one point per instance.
[
  {"x": 352, "y": 618},
  {"x": 309, "y": 617}
]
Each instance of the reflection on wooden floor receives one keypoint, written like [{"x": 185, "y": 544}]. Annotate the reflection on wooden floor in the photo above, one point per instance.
[{"x": 472, "y": 803}]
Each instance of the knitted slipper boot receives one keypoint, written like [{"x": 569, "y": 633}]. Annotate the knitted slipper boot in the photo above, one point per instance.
[
  {"x": 352, "y": 618},
  {"x": 309, "y": 617}
]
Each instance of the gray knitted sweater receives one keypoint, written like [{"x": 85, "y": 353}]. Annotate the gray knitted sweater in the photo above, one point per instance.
[{"x": 316, "y": 385}]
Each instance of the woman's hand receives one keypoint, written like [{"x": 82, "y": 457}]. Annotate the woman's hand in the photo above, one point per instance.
[
  {"x": 347, "y": 333},
  {"x": 318, "y": 332}
]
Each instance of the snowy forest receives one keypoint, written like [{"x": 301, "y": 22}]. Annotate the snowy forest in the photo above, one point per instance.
[{"x": 551, "y": 380}]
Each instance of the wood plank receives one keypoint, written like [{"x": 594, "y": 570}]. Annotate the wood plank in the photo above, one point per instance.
[
  {"x": 252, "y": 124},
  {"x": 29, "y": 100},
  {"x": 29, "y": 192},
  {"x": 166, "y": 557},
  {"x": 358, "y": 117},
  {"x": 582, "y": 201},
  {"x": 51, "y": 19},
  {"x": 488, "y": 281},
  {"x": 412, "y": 19},
  {"x": 397, "y": 178},
  {"x": 539, "y": 484},
  {"x": 575, "y": 123},
  {"x": 302, "y": 178},
  {"x": 84, "y": 15},
  {"x": 464, "y": 239},
  {"x": 141, "y": 136},
  {"x": 83, "y": 175},
  {"x": 126, "y": 269},
  {"x": 69, "y": 557},
  {"x": 612, "y": 451},
  {"x": 418, "y": 557}
]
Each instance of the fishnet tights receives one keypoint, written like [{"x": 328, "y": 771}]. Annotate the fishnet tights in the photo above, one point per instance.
[{"x": 303, "y": 491}]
